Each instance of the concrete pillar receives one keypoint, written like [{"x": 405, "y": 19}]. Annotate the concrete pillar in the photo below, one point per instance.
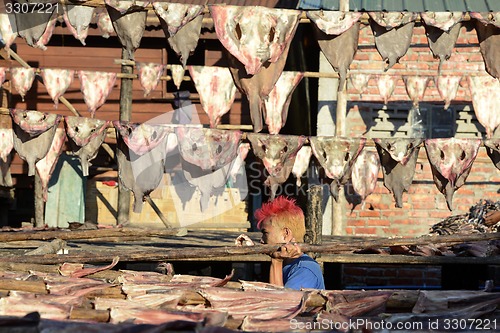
[{"x": 334, "y": 219}]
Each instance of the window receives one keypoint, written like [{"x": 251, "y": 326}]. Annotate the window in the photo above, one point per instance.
[{"x": 429, "y": 121}]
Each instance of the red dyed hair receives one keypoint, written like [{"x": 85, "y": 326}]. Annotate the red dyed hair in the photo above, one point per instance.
[{"x": 283, "y": 212}]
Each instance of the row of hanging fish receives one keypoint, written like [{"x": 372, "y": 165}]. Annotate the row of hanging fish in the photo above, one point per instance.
[
  {"x": 181, "y": 23},
  {"x": 257, "y": 52},
  {"x": 217, "y": 89},
  {"x": 211, "y": 156},
  {"x": 95, "y": 86}
]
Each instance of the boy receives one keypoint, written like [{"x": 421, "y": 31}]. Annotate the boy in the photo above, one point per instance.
[{"x": 281, "y": 221}]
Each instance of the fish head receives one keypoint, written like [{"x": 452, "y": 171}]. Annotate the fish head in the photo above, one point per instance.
[
  {"x": 452, "y": 157},
  {"x": 277, "y": 152},
  {"x": 34, "y": 122},
  {"x": 336, "y": 155},
  {"x": 254, "y": 40},
  {"x": 82, "y": 129},
  {"x": 400, "y": 149}
]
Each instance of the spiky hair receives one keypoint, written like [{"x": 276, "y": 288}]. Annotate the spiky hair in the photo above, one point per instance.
[{"x": 284, "y": 212}]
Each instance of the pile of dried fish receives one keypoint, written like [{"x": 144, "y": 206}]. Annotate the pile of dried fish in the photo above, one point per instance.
[{"x": 471, "y": 222}]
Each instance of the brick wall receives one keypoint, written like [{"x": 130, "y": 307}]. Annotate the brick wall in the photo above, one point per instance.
[
  {"x": 389, "y": 275},
  {"x": 423, "y": 205}
]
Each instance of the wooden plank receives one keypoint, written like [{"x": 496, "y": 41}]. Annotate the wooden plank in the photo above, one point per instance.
[
  {"x": 37, "y": 286},
  {"x": 84, "y": 314}
]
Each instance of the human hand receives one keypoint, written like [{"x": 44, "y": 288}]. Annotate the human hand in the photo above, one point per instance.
[
  {"x": 243, "y": 240},
  {"x": 492, "y": 217},
  {"x": 287, "y": 251}
]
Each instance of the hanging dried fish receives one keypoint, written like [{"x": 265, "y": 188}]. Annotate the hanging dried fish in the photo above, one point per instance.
[
  {"x": 398, "y": 157},
  {"x": 337, "y": 35},
  {"x": 34, "y": 132},
  {"x": 277, "y": 103},
  {"x": 216, "y": 88},
  {"x": 182, "y": 26},
  {"x": 129, "y": 22},
  {"x": 393, "y": 32},
  {"x": 6, "y": 154},
  {"x": 415, "y": 87},
  {"x": 442, "y": 30},
  {"x": 451, "y": 160},
  {"x": 78, "y": 19},
  {"x": 493, "y": 150},
  {"x": 447, "y": 86},
  {"x": 254, "y": 45},
  {"x": 386, "y": 85},
  {"x": 488, "y": 32},
  {"x": 336, "y": 156},
  {"x": 485, "y": 92},
  {"x": 36, "y": 28},
  {"x": 359, "y": 81}
]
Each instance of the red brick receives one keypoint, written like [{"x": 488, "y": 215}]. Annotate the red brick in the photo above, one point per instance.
[
  {"x": 424, "y": 204},
  {"x": 402, "y": 221},
  {"x": 401, "y": 282},
  {"x": 418, "y": 213},
  {"x": 380, "y": 206},
  {"x": 391, "y": 213},
  {"x": 356, "y": 223},
  {"x": 354, "y": 270},
  {"x": 365, "y": 231},
  {"x": 362, "y": 56},
  {"x": 369, "y": 213},
  {"x": 440, "y": 214},
  {"x": 376, "y": 281},
  {"x": 411, "y": 273},
  {"x": 392, "y": 231},
  {"x": 378, "y": 223},
  {"x": 465, "y": 191}
]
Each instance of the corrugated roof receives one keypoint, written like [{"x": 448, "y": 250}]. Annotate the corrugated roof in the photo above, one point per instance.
[
  {"x": 291, "y": 4},
  {"x": 405, "y": 5}
]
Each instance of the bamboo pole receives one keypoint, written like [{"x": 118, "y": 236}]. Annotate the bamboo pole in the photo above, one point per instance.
[
  {"x": 236, "y": 251},
  {"x": 158, "y": 212}
]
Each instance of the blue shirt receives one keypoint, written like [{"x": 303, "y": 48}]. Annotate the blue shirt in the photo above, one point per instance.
[{"x": 303, "y": 272}]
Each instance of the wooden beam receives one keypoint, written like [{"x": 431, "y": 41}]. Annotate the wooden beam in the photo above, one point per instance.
[
  {"x": 86, "y": 234},
  {"x": 207, "y": 254},
  {"x": 314, "y": 219}
]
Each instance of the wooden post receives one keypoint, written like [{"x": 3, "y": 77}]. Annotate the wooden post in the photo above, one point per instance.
[
  {"x": 125, "y": 115},
  {"x": 338, "y": 220},
  {"x": 39, "y": 203},
  {"x": 314, "y": 219},
  {"x": 158, "y": 212}
]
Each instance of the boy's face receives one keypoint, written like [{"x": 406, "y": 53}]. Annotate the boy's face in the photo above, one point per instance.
[{"x": 272, "y": 234}]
